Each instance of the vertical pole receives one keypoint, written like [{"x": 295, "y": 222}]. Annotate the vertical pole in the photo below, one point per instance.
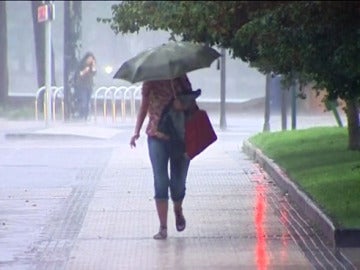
[
  {"x": 337, "y": 117},
  {"x": 4, "y": 69},
  {"x": 222, "y": 90},
  {"x": 293, "y": 105},
  {"x": 48, "y": 71},
  {"x": 67, "y": 60},
  {"x": 266, "y": 127},
  {"x": 284, "y": 102},
  {"x": 331, "y": 105}
]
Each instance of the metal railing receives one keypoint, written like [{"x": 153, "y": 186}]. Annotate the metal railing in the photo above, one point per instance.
[
  {"x": 56, "y": 91},
  {"x": 97, "y": 95},
  {"x": 120, "y": 90},
  {"x": 120, "y": 95},
  {"x": 117, "y": 96}
]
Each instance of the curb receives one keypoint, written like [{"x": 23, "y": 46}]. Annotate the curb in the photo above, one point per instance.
[
  {"x": 18, "y": 135},
  {"x": 337, "y": 237}
]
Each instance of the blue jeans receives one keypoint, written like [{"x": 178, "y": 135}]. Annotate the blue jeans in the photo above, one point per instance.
[
  {"x": 159, "y": 152},
  {"x": 83, "y": 97}
]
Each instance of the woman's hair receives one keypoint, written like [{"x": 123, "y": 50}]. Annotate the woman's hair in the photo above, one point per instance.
[{"x": 85, "y": 57}]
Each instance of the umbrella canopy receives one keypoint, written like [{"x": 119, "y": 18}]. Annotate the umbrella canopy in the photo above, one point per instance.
[{"x": 167, "y": 61}]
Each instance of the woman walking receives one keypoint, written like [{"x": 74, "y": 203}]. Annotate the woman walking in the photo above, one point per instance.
[{"x": 155, "y": 96}]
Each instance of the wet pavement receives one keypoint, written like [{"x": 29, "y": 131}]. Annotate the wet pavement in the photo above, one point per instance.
[{"x": 75, "y": 196}]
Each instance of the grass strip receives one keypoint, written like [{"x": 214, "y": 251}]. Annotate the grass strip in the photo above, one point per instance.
[{"x": 318, "y": 161}]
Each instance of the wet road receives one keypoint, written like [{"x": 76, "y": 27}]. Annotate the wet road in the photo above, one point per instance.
[{"x": 86, "y": 203}]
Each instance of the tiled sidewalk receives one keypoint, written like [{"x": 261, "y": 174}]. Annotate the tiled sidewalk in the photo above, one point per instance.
[{"x": 237, "y": 218}]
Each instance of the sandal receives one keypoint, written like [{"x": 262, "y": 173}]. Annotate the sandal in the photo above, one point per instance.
[
  {"x": 180, "y": 221},
  {"x": 162, "y": 234}
]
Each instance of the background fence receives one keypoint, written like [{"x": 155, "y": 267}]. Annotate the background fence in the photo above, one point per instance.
[{"x": 106, "y": 102}]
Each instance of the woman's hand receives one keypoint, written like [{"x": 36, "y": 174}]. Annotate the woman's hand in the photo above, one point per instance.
[
  {"x": 133, "y": 140},
  {"x": 84, "y": 71}
]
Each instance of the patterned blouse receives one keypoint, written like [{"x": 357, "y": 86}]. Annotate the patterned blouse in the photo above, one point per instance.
[{"x": 159, "y": 94}]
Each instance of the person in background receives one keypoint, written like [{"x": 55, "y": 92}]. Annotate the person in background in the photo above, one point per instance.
[
  {"x": 156, "y": 95},
  {"x": 84, "y": 83}
]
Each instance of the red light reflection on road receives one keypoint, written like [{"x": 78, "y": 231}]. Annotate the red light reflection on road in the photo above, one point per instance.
[{"x": 260, "y": 209}]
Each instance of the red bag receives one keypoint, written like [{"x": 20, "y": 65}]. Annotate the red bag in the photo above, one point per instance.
[{"x": 199, "y": 133}]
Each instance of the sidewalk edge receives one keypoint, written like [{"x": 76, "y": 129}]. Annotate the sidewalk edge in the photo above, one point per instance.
[
  {"x": 336, "y": 236},
  {"x": 31, "y": 135}
]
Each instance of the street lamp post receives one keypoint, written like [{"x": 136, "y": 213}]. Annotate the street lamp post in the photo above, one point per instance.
[
  {"x": 266, "y": 127},
  {"x": 48, "y": 70},
  {"x": 46, "y": 13},
  {"x": 222, "y": 90},
  {"x": 293, "y": 104},
  {"x": 284, "y": 108}
]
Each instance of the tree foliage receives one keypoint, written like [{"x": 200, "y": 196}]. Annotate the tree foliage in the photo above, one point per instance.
[
  {"x": 318, "y": 40},
  {"x": 212, "y": 22},
  {"x": 314, "y": 41}
]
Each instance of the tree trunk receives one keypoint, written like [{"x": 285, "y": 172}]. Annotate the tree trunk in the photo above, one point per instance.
[
  {"x": 352, "y": 113},
  {"x": 72, "y": 45},
  {"x": 4, "y": 72}
]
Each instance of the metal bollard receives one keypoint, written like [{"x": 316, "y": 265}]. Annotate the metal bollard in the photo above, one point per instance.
[
  {"x": 58, "y": 92},
  {"x": 38, "y": 92},
  {"x": 120, "y": 90},
  {"x": 108, "y": 91},
  {"x": 135, "y": 95},
  {"x": 112, "y": 90},
  {"x": 96, "y": 95},
  {"x": 127, "y": 96}
]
